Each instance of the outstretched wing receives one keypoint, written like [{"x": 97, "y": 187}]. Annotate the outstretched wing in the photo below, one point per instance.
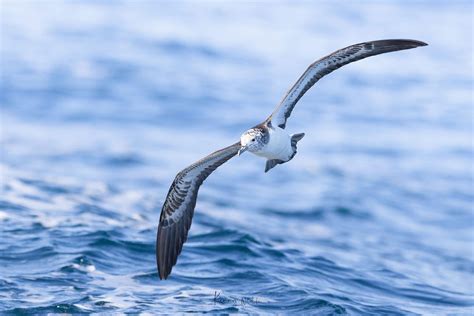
[
  {"x": 178, "y": 209},
  {"x": 327, "y": 64}
]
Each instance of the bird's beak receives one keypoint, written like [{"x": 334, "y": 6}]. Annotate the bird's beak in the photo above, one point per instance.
[{"x": 242, "y": 150}]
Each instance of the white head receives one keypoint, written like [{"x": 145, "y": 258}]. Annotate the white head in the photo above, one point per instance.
[{"x": 253, "y": 140}]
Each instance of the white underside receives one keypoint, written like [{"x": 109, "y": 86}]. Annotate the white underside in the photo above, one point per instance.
[{"x": 278, "y": 147}]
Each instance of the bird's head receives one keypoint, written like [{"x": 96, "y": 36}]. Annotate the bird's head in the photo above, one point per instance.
[{"x": 253, "y": 140}]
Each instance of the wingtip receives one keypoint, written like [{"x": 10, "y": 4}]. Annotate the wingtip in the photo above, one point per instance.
[
  {"x": 397, "y": 44},
  {"x": 162, "y": 274},
  {"x": 413, "y": 43},
  {"x": 419, "y": 43}
]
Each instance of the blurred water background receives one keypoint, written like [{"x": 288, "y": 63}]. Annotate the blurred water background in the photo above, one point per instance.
[{"x": 102, "y": 103}]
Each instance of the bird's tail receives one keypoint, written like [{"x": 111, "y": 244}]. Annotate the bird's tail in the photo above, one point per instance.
[{"x": 295, "y": 138}]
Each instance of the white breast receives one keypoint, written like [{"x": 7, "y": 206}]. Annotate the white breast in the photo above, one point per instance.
[{"x": 279, "y": 145}]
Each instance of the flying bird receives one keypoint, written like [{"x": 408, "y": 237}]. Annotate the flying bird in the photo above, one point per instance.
[{"x": 268, "y": 139}]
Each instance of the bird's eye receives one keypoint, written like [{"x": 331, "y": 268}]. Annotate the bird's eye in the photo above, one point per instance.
[{"x": 253, "y": 139}]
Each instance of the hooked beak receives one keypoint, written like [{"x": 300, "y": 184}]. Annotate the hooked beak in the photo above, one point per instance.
[{"x": 242, "y": 150}]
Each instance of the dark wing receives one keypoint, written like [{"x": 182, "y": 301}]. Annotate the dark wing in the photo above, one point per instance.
[
  {"x": 178, "y": 209},
  {"x": 327, "y": 64}
]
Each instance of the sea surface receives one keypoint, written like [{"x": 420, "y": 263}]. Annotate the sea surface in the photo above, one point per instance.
[{"x": 103, "y": 102}]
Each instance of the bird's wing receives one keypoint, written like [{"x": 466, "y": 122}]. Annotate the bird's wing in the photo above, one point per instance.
[
  {"x": 327, "y": 64},
  {"x": 178, "y": 209}
]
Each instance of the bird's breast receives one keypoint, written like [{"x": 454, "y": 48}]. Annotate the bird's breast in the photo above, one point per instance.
[{"x": 278, "y": 146}]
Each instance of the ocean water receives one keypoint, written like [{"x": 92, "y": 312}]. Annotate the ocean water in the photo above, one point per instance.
[{"x": 103, "y": 103}]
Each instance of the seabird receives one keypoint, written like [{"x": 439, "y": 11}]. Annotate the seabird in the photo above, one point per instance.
[{"x": 268, "y": 139}]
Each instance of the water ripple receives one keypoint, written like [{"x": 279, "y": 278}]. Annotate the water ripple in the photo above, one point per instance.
[{"x": 101, "y": 108}]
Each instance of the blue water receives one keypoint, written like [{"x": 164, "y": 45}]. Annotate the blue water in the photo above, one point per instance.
[{"x": 102, "y": 104}]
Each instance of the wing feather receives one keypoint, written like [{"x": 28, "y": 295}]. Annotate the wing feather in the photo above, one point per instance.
[
  {"x": 328, "y": 64},
  {"x": 178, "y": 209}
]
